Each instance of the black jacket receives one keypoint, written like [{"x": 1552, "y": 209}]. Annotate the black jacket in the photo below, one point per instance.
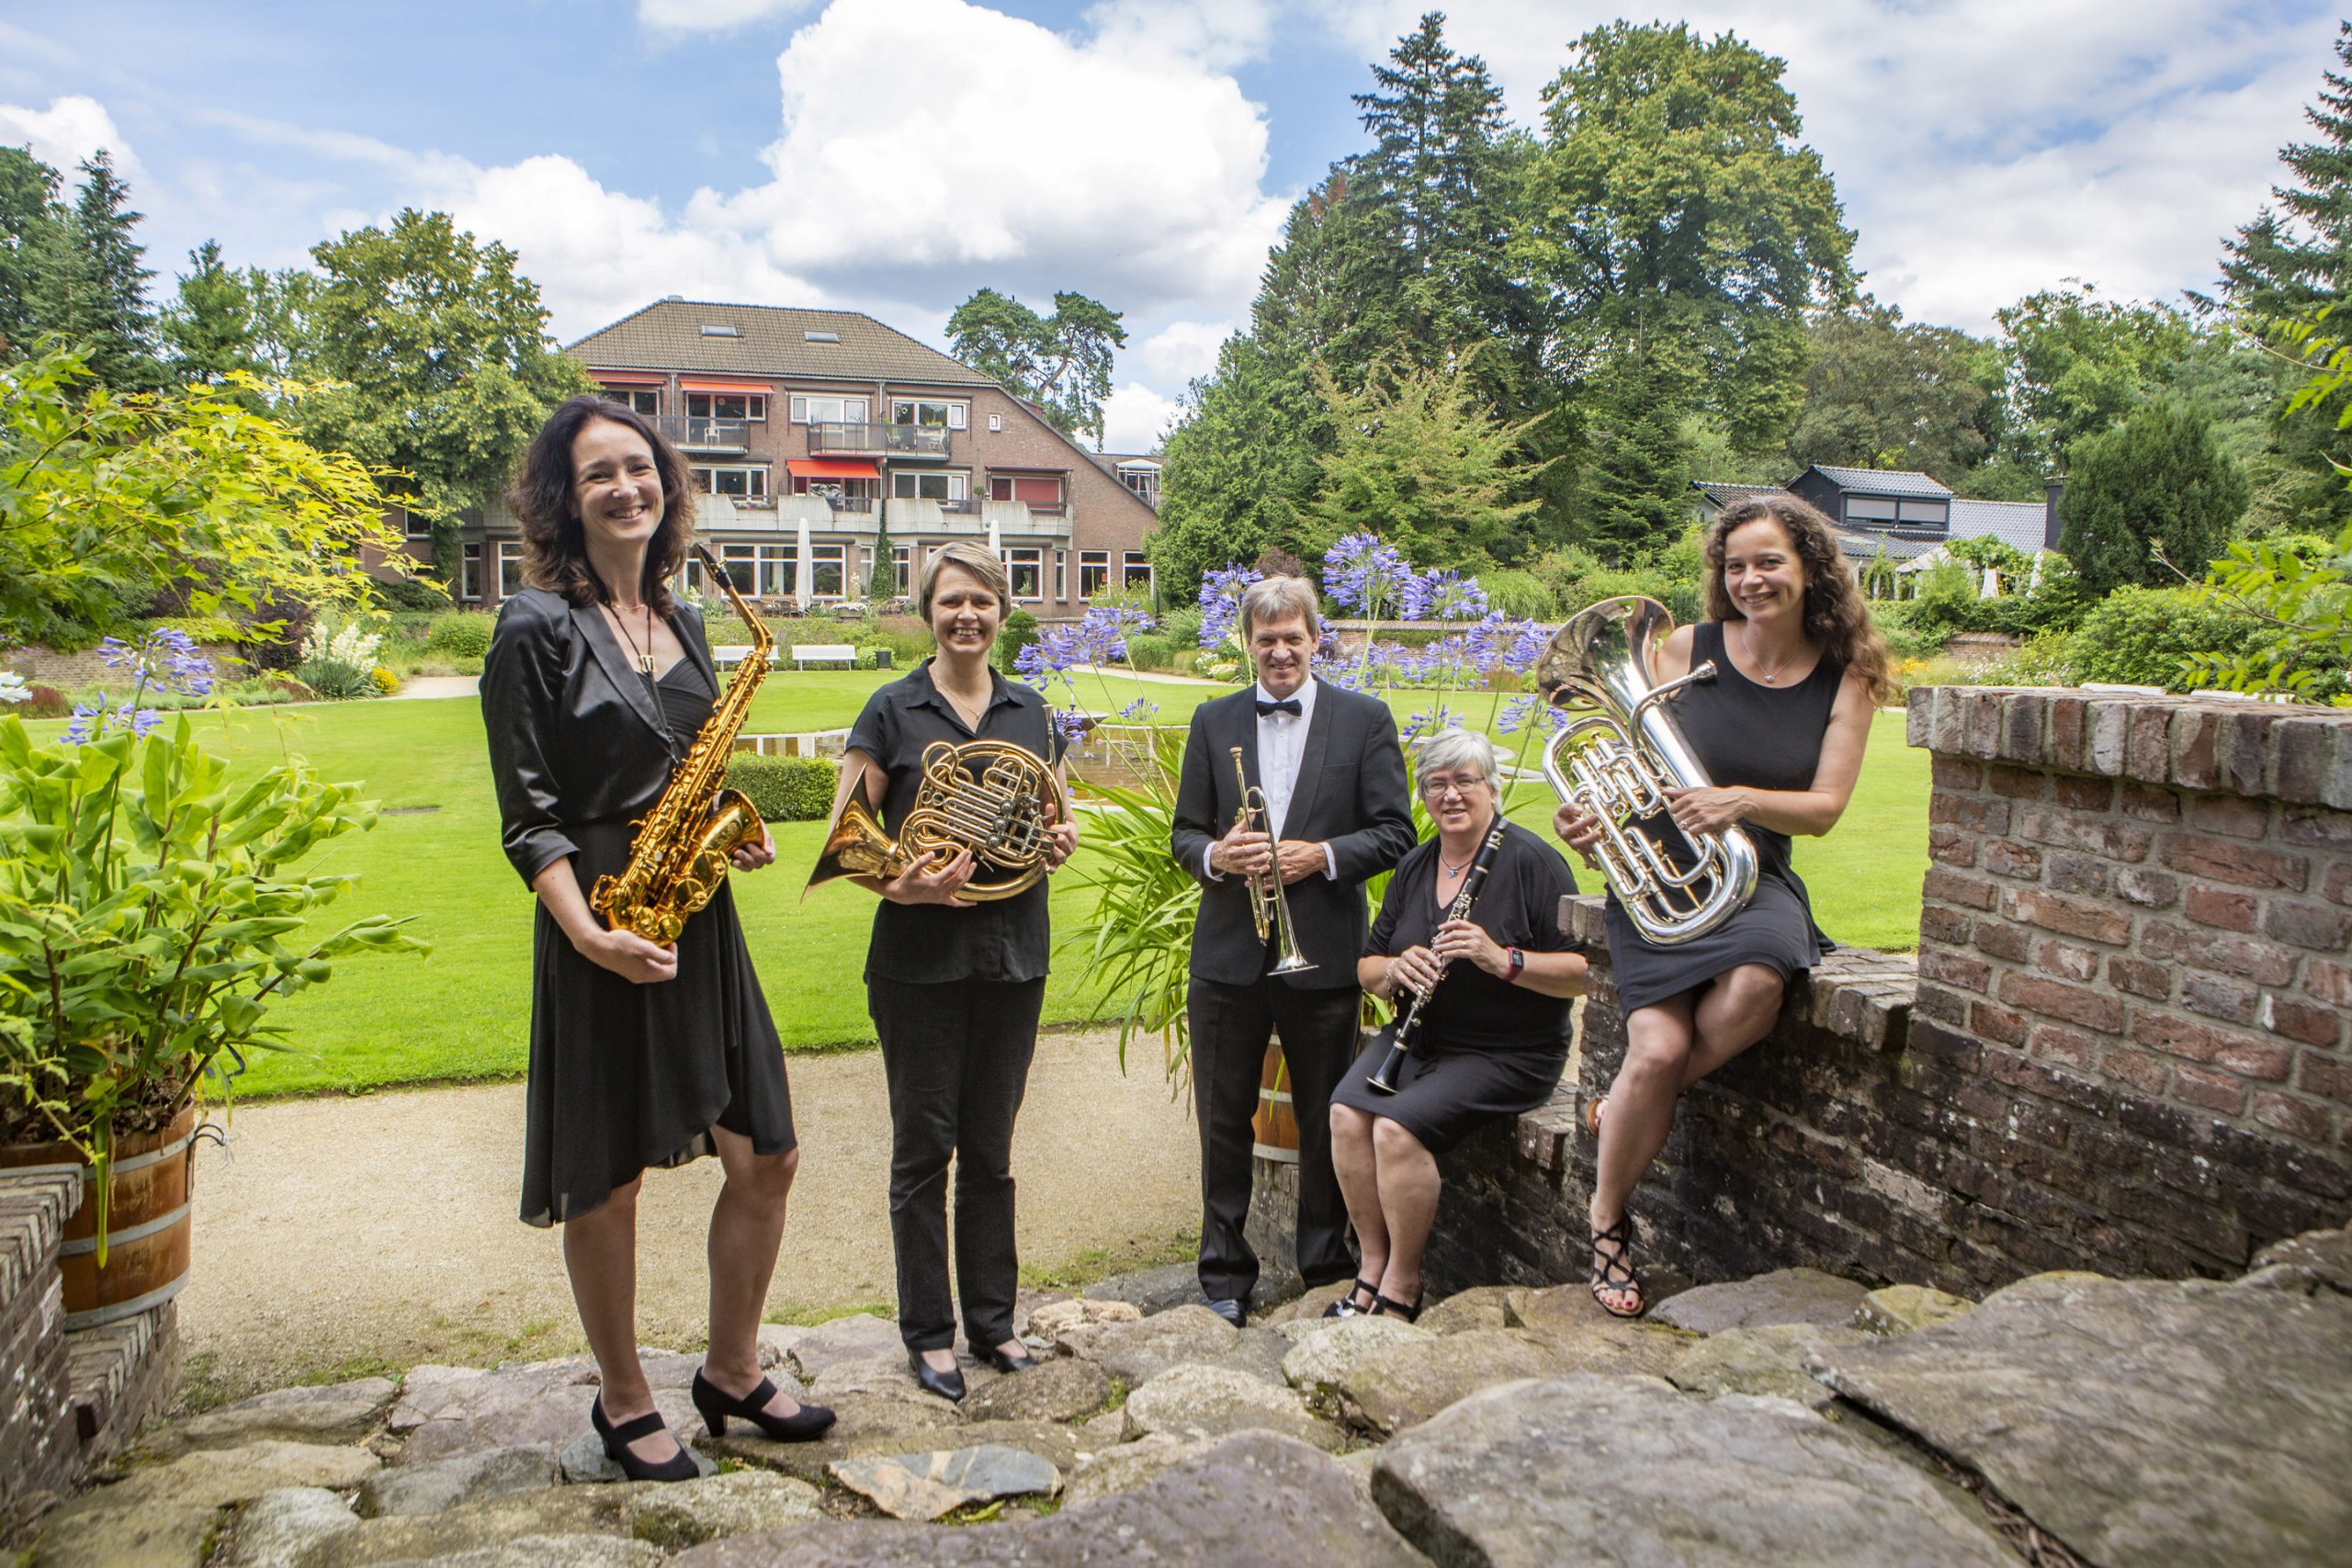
[
  {"x": 575, "y": 731},
  {"x": 1353, "y": 795}
]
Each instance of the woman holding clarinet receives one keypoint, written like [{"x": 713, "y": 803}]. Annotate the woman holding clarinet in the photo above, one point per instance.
[{"x": 1468, "y": 945}]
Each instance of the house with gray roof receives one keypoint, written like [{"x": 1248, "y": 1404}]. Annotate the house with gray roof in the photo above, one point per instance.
[
  {"x": 815, "y": 436},
  {"x": 1896, "y": 515}
]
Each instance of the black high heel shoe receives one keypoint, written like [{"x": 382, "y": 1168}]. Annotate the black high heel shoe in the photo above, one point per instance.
[
  {"x": 1004, "y": 1363},
  {"x": 679, "y": 1466},
  {"x": 948, "y": 1384},
  {"x": 716, "y": 1404}
]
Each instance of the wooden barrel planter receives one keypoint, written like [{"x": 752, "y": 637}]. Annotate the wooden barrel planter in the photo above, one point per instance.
[
  {"x": 148, "y": 1251},
  {"x": 1275, "y": 1127}
]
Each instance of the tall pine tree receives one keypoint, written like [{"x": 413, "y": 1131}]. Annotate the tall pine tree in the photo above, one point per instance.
[
  {"x": 28, "y": 224},
  {"x": 210, "y": 330},
  {"x": 91, "y": 283}
]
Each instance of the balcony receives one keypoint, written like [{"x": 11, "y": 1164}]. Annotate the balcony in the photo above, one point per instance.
[
  {"x": 706, "y": 434},
  {"x": 878, "y": 440},
  {"x": 913, "y": 516},
  {"x": 1021, "y": 520}
]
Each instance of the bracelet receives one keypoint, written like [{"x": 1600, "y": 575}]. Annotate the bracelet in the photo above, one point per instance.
[{"x": 1518, "y": 962}]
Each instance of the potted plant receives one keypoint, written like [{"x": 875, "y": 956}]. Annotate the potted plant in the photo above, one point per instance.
[{"x": 149, "y": 914}]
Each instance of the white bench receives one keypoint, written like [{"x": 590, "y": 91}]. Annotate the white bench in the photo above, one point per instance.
[
  {"x": 807, "y": 653},
  {"x": 727, "y": 655}
]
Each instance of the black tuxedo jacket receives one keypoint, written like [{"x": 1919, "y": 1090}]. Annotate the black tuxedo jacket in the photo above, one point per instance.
[{"x": 1353, "y": 795}]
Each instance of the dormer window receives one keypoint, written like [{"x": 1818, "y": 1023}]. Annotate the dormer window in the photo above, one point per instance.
[
  {"x": 721, "y": 329},
  {"x": 813, "y": 336},
  {"x": 1886, "y": 512}
]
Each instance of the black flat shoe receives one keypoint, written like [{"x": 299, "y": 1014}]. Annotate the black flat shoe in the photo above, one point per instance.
[
  {"x": 1004, "y": 1363},
  {"x": 715, "y": 1404},
  {"x": 679, "y": 1466},
  {"x": 947, "y": 1384},
  {"x": 1346, "y": 1305}
]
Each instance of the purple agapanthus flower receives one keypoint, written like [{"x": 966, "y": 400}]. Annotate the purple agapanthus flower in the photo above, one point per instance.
[
  {"x": 1142, "y": 707},
  {"x": 166, "y": 658},
  {"x": 1221, "y": 602},
  {"x": 1366, "y": 576},
  {"x": 1442, "y": 595},
  {"x": 92, "y": 721},
  {"x": 1530, "y": 708}
]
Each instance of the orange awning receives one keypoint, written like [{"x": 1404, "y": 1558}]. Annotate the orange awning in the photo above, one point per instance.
[
  {"x": 832, "y": 468},
  {"x": 704, "y": 384}
]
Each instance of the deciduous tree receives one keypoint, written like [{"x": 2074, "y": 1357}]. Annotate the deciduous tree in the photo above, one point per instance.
[
  {"x": 1061, "y": 362},
  {"x": 210, "y": 329},
  {"x": 1882, "y": 393},
  {"x": 2078, "y": 363}
]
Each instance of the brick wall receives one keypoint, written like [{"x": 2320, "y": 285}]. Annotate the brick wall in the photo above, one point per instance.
[
  {"x": 2127, "y": 1049},
  {"x": 39, "y": 1450}
]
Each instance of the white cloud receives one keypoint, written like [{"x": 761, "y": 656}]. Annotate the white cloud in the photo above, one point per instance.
[
  {"x": 66, "y": 133},
  {"x": 1181, "y": 350},
  {"x": 1136, "y": 418},
  {"x": 711, "y": 15},
  {"x": 1219, "y": 34}
]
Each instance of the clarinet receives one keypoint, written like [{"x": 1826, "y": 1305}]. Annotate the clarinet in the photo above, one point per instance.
[{"x": 1383, "y": 1078}]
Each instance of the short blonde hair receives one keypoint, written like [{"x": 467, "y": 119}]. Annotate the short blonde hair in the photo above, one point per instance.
[
  {"x": 974, "y": 557},
  {"x": 1278, "y": 599},
  {"x": 1453, "y": 747}
]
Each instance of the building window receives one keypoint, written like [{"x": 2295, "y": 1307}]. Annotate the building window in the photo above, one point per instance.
[
  {"x": 726, "y": 405},
  {"x": 764, "y": 572},
  {"x": 1027, "y": 571},
  {"x": 1925, "y": 513},
  {"x": 469, "y": 575},
  {"x": 415, "y": 526},
  {"x": 1139, "y": 571},
  {"x": 510, "y": 568},
  {"x": 827, "y": 572},
  {"x": 1875, "y": 511},
  {"x": 952, "y": 484},
  {"x": 1061, "y": 576},
  {"x": 996, "y": 422},
  {"x": 902, "y": 568},
  {"x": 1093, "y": 572},
  {"x": 1144, "y": 481},
  {"x": 1042, "y": 494},
  {"x": 936, "y": 415},
  {"x": 646, "y": 401},
  {"x": 742, "y": 483},
  {"x": 809, "y": 409}
]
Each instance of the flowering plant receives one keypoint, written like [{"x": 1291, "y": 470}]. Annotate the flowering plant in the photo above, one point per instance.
[
  {"x": 339, "y": 656},
  {"x": 145, "y": 913}
]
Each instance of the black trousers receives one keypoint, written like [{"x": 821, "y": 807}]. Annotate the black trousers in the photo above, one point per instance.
[
  {"x": 1230, "y": 1027},
  {"x": 956, "y": 1056}
]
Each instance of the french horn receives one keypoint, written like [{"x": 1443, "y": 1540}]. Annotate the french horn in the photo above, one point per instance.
[
  {"x": 1620, "y": 759},
  {"x": 987, "y": 796}
]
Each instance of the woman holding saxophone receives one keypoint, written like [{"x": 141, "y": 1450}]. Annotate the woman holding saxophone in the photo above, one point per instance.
[
  {"x": 642, "y": 1054},
  {"x": 955, "y": 985},
  {"x": 1496, "y": 974},
  {"x": 1779, "y": 730}
]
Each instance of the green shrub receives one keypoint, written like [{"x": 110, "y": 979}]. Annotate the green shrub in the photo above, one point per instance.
[
  {"x": 1153, "y": 651},
  {"x": 1019, "y": 631},
  {"x": 46, "y": 702},
  {"x": 337, "y": 682},
  {"x": 1519, "y": 595},
  {"x": 785, "y": 789},
  {"x": 1183, "y": 627},
  {"x": 460, "y": 633},
  {"x": 410, "y": 594},
  {"x": 2144, "y": 637},
  {"x": 214, "y": 629}
]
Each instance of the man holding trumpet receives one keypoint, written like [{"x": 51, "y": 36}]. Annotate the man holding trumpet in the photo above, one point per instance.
[{"x": 1281, "y": 889}]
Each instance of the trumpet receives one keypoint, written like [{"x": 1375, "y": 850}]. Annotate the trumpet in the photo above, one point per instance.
[
  {"x": 1383, "y": 1078},
  {"x": 1268, "y": 908},
  {"x": 1618, "y": 762}
]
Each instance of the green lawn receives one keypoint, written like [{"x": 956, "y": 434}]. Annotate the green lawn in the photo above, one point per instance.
[{"x": 463, "y": 1012}]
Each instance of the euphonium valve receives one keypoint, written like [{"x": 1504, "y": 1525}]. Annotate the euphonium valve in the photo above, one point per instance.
[{"x": 1617, "y": 761}]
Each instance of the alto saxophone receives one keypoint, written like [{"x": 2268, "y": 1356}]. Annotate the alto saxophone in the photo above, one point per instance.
[{"x": 679, "y": 857}]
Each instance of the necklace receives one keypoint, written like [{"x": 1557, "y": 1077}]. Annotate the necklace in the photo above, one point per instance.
[
  {"x": 1454, "y": 870},
  {"x": 1767, "y": 676},
  {"x": 643, "y": 656}
]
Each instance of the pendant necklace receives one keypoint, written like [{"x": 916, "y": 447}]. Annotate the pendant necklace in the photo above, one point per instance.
[
  {"x": 1749, "y": 647},
  {"x": 642, "y": 657}
]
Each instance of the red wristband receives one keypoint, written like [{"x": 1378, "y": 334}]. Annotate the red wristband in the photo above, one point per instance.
[{"x": 1518, "y": 962}]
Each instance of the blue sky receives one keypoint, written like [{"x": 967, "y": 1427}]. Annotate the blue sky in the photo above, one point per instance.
[{"x": 892, "y": 155}]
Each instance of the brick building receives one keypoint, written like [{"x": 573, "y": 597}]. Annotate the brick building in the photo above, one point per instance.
[{"x": 813, "y": 433}]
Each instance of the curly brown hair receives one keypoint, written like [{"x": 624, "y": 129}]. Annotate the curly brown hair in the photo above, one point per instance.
[
  {"x": 555, "y": 547},
  {"x": 1837, "y": 617}
]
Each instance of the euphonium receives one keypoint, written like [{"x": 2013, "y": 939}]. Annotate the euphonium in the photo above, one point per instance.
[
  {"x": 1268, "y": 908},
  {"x": 678, "y": 858},
  {"x": 1617, "y": 761},
  {"x": 1408, "y": 1027},
  {"x": 987, "y": 796}
]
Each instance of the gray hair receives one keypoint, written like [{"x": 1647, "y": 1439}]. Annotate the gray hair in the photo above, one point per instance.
[
  {"x": 1454, "y": 747},
  {"x": 974, "y": 557},
  {"x": 1278, "y": 599}
]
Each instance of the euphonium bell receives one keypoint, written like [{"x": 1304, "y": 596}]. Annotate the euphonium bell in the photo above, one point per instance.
[
  {"x": 1617, "y": 761},
  {"x": 987, "y": 796}
]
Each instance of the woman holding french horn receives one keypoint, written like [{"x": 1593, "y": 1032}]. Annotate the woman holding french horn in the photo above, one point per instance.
[
  {"x": 956, "y": 971},
  {"x": 1779, "y": 730},
  {"x": 1468, "y": 946}
]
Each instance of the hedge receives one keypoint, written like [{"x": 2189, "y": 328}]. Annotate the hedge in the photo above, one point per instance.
[{"x": 785, "y": 789}]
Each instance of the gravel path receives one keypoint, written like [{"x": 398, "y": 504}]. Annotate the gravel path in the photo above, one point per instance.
[{"x": 336, "y": 1232}]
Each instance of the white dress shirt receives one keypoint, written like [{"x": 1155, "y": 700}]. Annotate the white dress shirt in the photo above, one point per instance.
[{"x": 1281, "y": 743}]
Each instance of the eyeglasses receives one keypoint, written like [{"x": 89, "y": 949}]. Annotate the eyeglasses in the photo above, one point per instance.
[{"x": 1438, "y": 789}]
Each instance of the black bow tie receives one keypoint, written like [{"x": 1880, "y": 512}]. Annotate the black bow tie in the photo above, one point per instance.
[{"x": 1288, "y": 705}]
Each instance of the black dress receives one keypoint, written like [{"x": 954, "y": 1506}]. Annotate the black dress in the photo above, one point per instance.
[
  {"x": 623, "y": 1077},
  {"x": 1487, "y": 1048},
  {"x": 1743, "y": 732}
]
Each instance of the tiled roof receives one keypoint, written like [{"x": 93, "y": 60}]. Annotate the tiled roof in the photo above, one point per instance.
[
  {"x": 1881, "y": 481},
  {"x": 668, "y": 335},
  {"x": 1863, "y": 545},
  {"x": 1723, "y": 492},
  {"x": 2017, "y": 523}
]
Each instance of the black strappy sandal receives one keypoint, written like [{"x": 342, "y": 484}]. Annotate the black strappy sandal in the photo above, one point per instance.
[
  {"x": 1382, "y": 1307},
  {"x": 1612, "y": 1268},
  {"x": 1346, "y": 1305}
]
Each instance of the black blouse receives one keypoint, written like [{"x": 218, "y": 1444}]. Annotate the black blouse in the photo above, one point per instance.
[
  {"x": 1518, "y": 905},
  {"x": 930, "y": 945}
]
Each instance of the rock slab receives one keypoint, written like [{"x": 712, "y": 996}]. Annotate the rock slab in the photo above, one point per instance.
[
  {"x": 1592, "y": 1469},
  {"x": 927, "y": 1486},
  {"x": 1398, "y": 1385},
  {"x": 2142, "y": 1422},
  {"x": 1216, "y": 1402},
  {"x": 1762, "y": 1360},
  {"x": 688, "y": 1513},
  {"x": 1785, "y": 1295},
  {"x": 337, "y": 1413},
  {"x": 1899, "y": 1309},
  {"x": 1061, "y": 1390},
  {"x": 466, "y": 1478},
  {"x": 1254, "y": 1501}
]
